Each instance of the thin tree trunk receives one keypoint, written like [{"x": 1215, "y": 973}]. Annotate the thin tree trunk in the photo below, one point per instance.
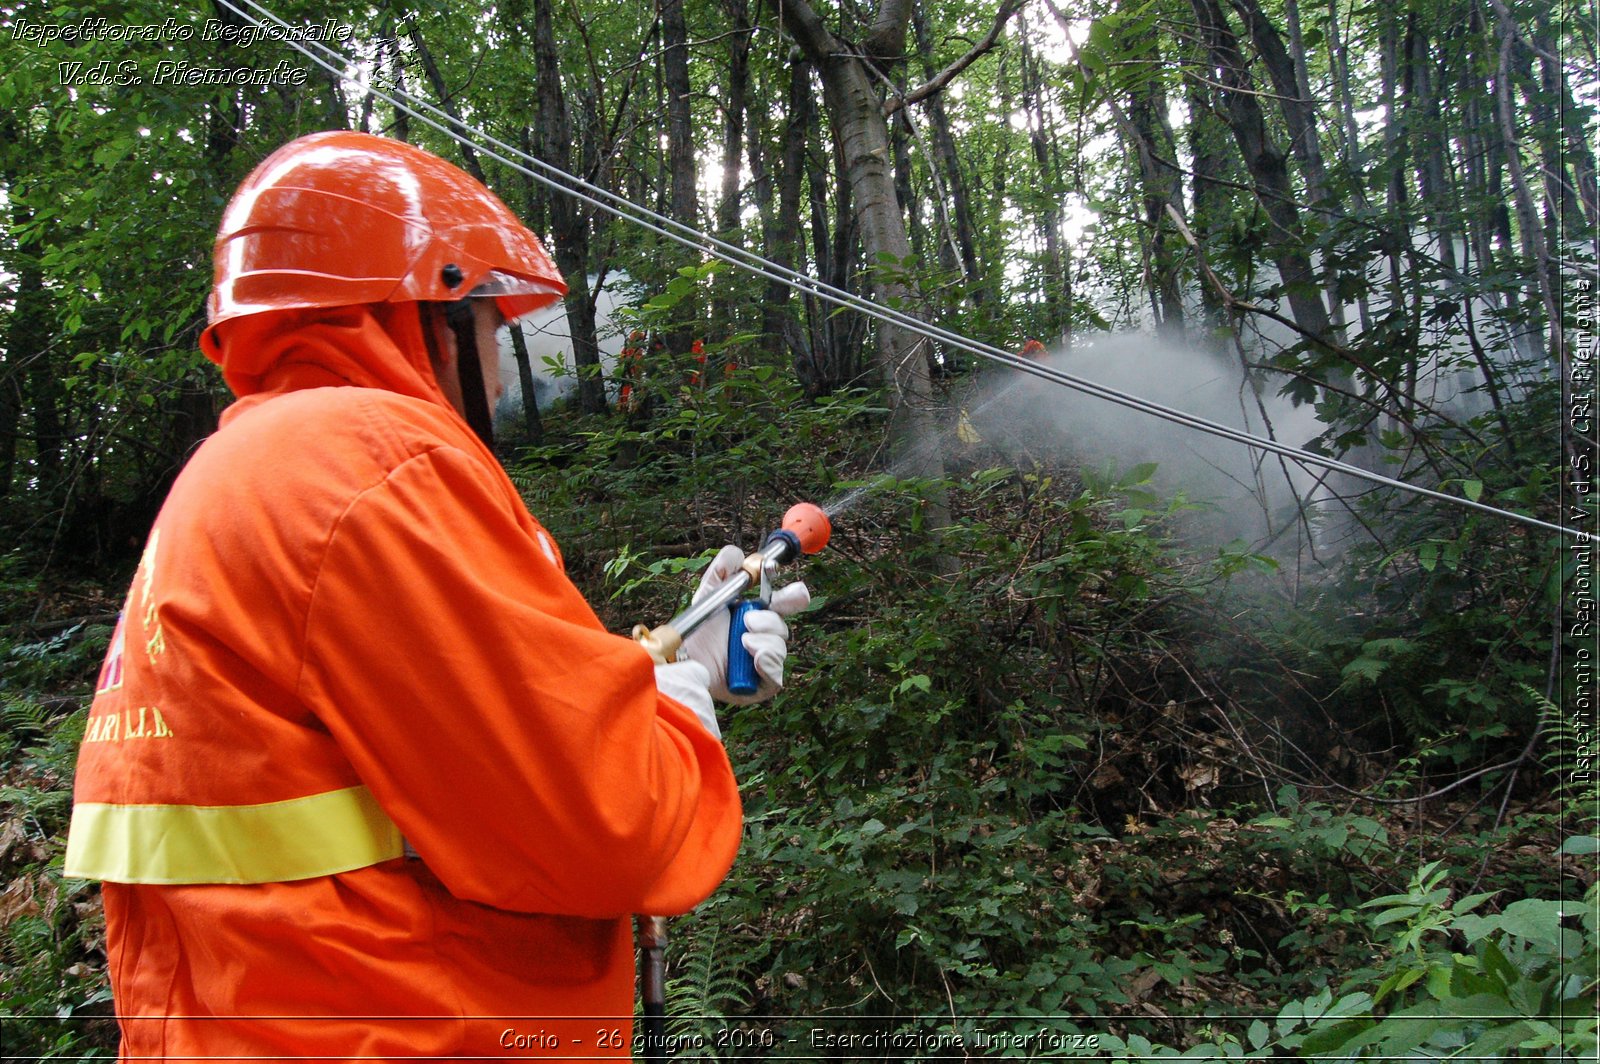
[
  {"x": 568, "y": 227},
  {"x": 26, "y": 363},
  {"x": 947, "y": 158},
  {"x": 863, "y": 136},
  {"x": 1267, "y": 167},
  {"x": 1553, "y": 129},
  {"x": 1533, "y": 240},
  {"x": 1286, "y": 67},
  {"x": 1487, "y": 217},
  {"x": 1394, "y": 155},
  {"x": 683, "y": 203},
  {"x": 447, "y": 99},
  {"x": 1207, "y": 138},
  {"x": 734, "y": 117},
  {"x": 401, "y": 122},
  {"x": 900, "y": 137},
  {"x": 1160, "y": 185},
  {"x": 1048, "y": 225},
  {"x": 1433, "y": 169},
  {"x": 1350, "y": 141},
  {"x": 783, "y": 242}
]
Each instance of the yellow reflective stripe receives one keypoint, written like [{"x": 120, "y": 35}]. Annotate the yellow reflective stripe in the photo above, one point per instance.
[{"x": 271, "y": 843}]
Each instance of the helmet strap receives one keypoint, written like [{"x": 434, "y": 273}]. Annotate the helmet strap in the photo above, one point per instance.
[{"x": 469, "y": 368}]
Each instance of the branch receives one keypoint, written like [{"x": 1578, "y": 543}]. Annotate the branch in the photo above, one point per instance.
[
  {"x": 1235, "y": 305},
  {"x": 945, "y": 76},
  {"x": 886, "y": 37},
  {"x": 446, "y": 98},
  {"x": 808, "y": 31}
]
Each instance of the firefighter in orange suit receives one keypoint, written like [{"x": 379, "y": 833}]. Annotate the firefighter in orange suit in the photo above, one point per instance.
[{"x": 364, "y": 776}]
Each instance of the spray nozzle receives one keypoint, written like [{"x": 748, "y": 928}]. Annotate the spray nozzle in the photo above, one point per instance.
[
  {"x": 805, "y": 530},
  {"x": 809, "y": 524}
]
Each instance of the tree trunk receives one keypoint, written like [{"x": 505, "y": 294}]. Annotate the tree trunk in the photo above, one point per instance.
[
  {"x": 27, "y": 342},
  {"x": 857, "y": 116},
  {"x": 1350, "y": 153},
  {"x": 447, "y": 100},
  {"x": 1533, "y": 239},
  {"x": 683, "y": 205},
  {"x": 1267, "y": 167},
  {"x": 783, "y": 240},
  {"x": 682, "y": 198},
  {"x": 533, "y": 424},
  {"x": 900, "y": 137},
  {"x": 830, "y": 346},
  {"x": 1394, "y": 154},
  {"x": 949, "y": 161},
  {"x": 389, "y": 43},
  {"x": 1049, "y": 218},
  {"x": 1578, "y": 148},
  {"x": 1286, "y": 67},
  {"x": 1487, "y": 218},
  {"x": 1207, "y": 137},
  {"x": 1432, "y": 168},
  {"x": 1160, "y": 185},
  {"x": 569, "y": 228},
  {"x": 1553, "y": 129},
  {"x": 725, "y": 313}
]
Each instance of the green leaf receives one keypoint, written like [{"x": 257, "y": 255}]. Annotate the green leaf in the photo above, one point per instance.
[
  {"x": 1397, "y": 982},
  {"x": 1537, "y": 921},
  {"x": 1579, "y": 845},
  {"x": 1497, "y": 966},
  {"x": 1333, "y": 1037},
  {"x": 919, "y": 682},
  {"x": 1471, "y": 902},
  {"x": 1139, "y": 474}
]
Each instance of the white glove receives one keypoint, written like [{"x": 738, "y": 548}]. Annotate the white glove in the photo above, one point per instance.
[
  {"x": 688, "y": 683},
  {"x": 766, "y": 636}
]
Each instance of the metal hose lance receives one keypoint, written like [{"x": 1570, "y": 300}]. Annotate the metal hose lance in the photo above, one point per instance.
[{"x": 805, "y": 530}]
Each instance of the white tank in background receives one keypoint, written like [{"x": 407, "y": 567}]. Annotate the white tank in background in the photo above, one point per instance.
[{"x": 550, "y": 347}]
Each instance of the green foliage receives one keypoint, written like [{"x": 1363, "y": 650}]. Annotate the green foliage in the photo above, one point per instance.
[
  {"x": 1453, "y": 983},
  {"x": 55, "y": 996},
  {"x": 1464, "y": 983},
  {"x": 706, "y": 990},
  {"x": 1578, "y": 790}
]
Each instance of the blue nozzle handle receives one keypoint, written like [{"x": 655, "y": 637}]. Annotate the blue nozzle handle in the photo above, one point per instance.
[{"x": 742, "y": 677}]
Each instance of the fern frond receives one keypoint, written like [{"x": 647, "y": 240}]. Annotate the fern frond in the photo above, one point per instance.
[
  {"x": 710, "y": 985},
  {"x": 1564, "y": 738}
]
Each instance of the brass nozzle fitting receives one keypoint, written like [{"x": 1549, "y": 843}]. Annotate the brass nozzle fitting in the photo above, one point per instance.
[{"x": 661, "y": 642}]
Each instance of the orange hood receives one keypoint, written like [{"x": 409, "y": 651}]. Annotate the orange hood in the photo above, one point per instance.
[{"x": 377, "y": 346}]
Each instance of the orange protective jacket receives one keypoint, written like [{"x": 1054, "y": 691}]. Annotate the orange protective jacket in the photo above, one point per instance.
[{"x": 348, "y": 642}]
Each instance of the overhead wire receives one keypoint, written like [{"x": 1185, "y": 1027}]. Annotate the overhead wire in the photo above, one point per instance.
[{"x": 478, "y": 140}]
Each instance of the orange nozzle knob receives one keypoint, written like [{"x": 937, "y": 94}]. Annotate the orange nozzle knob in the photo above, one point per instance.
[{"x": 810, "y": 525}]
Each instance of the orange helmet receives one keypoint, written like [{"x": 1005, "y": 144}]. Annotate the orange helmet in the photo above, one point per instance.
[{"x": 342, "y": 219}]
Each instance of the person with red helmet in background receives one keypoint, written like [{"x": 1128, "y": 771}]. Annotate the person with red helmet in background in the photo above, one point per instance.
[{"x": 364, "y": 776}]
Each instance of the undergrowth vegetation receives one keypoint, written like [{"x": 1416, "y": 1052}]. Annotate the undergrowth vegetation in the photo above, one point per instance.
[{"x": 1041, "y": 782}]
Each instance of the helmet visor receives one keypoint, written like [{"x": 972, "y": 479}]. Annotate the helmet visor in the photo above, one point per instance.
[{"x": 515, "y": 295}]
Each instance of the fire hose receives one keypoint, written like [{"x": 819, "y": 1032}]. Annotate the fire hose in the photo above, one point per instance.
[{"x": 805, "y": 530}]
